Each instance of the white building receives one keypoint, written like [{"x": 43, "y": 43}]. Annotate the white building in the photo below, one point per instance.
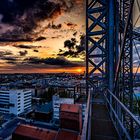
[
  {"x": 15, "y": 101},
  {"x": 56, "y": 104}
]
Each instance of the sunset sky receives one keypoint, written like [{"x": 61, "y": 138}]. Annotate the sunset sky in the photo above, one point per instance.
[
  {"x": 43, "y": 35},
  {"x": 36, "y": 31}
]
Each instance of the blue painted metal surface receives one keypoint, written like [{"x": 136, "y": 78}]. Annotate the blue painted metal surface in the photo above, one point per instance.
[
  {"x": 109, "y": 52},
  {"x": 111, "y": 44},
  {"x": 96, "y": 36}
]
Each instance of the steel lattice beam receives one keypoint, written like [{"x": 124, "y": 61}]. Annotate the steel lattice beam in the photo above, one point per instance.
[
  {"x": 110, "y": 50},
  {"x": 97, "y": 40},
  {"x": 124, "y": 72}
]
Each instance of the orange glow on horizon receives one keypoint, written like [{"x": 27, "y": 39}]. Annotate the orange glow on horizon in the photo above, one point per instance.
[
  {"x": 51, "y": 70},
  {"x": 46, "y": 70}
]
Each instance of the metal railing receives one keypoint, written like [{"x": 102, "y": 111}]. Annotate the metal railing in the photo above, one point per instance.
[
  {"x": 120, "y": 115},
  {"x": 86, "y": 131},
  {"x": 125, "y": 122}
]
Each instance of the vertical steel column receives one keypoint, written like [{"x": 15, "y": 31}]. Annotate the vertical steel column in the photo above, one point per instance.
[
  {"x": 111, "y": 44},
  {"x": 87, "y": 65},
  {"x": 117, "y": 49}
]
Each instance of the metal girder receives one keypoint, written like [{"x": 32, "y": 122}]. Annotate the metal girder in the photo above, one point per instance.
[
  {"x": 124, "y": 72},
  {"x": 96, "y": 39},
  {"x": 109, "y": 54}
]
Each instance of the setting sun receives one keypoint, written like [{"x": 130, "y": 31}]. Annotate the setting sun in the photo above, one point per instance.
[{"x": 79, "y": 70}]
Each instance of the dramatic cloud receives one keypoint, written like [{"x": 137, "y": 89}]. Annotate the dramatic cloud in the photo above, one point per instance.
[
  {"x": 72, "y": 49},
  {"x": 8, "y": 37},
  {"x": 40, "y": 38},
  {"x": 5, "y": 53},
  {"x": 26, "y": 46},
  {"x": 36, "y": 51},
  {"x": 10, "y": 59},
  {"x": 51, "y": 61},
  {"x": 53, "y": 26},
  {"x": 39, "y": 62},
  {"x": 23, "y": 53},
  {"x": 66, "y": 5},
  {"x": 71, "y": 25},
  {"x": 28, "y": 27},
  {"x": 58, "y": 36},
  {"x": 37, "y": 10},
  {"x": 21, "y": 21},
  {"x": 75, "y": 33},
  {"x": 19, "y": 18},
  {"x": 24, "y": 16}
]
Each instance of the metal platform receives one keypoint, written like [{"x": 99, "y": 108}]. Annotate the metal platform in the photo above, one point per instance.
[{"x": 102, "y": 127}]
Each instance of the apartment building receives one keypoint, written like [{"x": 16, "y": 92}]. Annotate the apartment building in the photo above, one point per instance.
[{"x": 15, "y": 101}]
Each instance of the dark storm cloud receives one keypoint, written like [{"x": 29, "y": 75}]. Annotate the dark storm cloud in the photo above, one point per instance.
[
  {"x": 24, "y": 16},
  {"x": 14, "y": 38},
  {"x": 26, "y": 46},
  {"x": 72, "y": 49},
  {"x": 66, "y": 5},
  {"x": 23, "y": 53},
  {"x": 36, "y": 51},
  {"x": 23, "y": 46},
  {"x": 40, "y": 38},
  {"x": 75, "y": 33},
  {"x": 51, "y": 61},
  {"x": 39, "y": 9},
  {"x": 58, "y": 36},
  {"x": 53, "y": 26},
  {"x": 5, "y": 53},
  {"x": 71, "y": 25},
  {"x": 10, "y": 59}
]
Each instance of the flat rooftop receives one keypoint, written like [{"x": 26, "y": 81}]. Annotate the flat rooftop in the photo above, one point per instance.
[
  {"x": 75, "y": 108},
  {"x": 35, "y": 132}
]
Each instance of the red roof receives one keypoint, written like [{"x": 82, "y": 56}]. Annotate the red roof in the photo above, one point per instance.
[
  {"x": 67, "y": 135},
  {"x": 36, "y": 133},
  {"x": 44, "y": 134},
  {"x": 75, "y": 108}
]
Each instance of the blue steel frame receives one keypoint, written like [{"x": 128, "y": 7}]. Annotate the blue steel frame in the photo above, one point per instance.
[
  {"x": 124, "y": 72},
  {"x": 109, "y": 52},
  {"x": 97, "y": 40}
]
